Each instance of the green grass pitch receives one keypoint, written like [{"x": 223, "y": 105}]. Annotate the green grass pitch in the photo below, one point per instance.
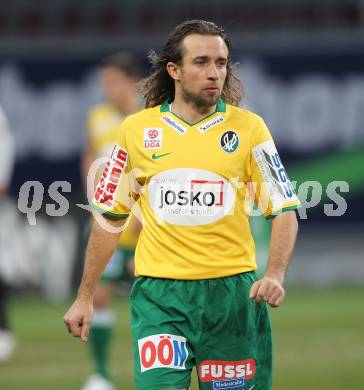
[{"x": 318, "y": 338}]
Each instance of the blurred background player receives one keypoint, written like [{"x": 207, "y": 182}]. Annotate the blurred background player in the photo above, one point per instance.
[
  {"x": 119, "y": 75},
  {"x": 7, "y": 156}
]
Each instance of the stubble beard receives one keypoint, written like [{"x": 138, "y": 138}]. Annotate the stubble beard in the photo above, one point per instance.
[{"x": 200, "y": 102}]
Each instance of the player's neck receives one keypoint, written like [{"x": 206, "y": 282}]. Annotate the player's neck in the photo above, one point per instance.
[{"x": 190, "y": 112}]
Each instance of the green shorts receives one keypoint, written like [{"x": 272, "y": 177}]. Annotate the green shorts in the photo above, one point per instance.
[
  {"x": 115, "y": 268},
  {"x": 211, "y": 324}
]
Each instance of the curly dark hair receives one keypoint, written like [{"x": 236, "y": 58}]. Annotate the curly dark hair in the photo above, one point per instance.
[{"x": 159, "y": 86}]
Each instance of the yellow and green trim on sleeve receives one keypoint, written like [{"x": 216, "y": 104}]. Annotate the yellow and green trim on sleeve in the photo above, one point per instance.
[
  {"x": 109, "y": 213},
  {"x": 278, "y": 211}
]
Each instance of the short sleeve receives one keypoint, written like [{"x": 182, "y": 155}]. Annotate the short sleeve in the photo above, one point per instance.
[
  {"x": 112, "y": 195},
  {"x": 273, "y": 191}
]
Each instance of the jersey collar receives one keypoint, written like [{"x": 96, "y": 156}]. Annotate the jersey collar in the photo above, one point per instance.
[{"x": 220, "y": 107}]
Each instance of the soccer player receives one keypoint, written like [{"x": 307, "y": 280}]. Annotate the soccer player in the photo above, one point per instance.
[
  {"x": 7, "y": 157},
  {"x": 192, "y": 159},
  {"x": 119, "y": 74}
]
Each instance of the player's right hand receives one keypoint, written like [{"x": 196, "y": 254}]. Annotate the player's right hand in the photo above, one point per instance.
[{"x": 78, "y": 319}]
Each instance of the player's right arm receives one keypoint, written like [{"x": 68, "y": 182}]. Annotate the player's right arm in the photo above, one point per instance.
[
  {"x": 111, "y": 199},
  {"x": 101, "y": 245}
]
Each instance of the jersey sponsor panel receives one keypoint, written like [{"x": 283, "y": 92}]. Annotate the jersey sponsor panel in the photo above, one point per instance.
[
  {"x": 162, "y": 351},
  {"x": 190, "y": 196}
]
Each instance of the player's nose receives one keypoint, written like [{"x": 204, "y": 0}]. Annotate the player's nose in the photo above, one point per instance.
[{"x": 213, "y": 73}]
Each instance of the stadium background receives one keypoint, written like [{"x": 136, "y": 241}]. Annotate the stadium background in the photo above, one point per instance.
[{"x": 302, "y": 66}]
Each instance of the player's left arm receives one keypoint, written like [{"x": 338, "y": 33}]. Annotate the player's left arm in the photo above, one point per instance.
[{"x": 270, "y": 287}]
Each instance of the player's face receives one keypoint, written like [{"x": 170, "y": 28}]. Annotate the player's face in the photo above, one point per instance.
[
  {"x": 117, "y": 86},
  {"x": 203, "y": 69}
]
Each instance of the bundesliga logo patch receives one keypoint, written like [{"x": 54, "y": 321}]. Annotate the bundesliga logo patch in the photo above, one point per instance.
[{"x": 153, "y": 138}]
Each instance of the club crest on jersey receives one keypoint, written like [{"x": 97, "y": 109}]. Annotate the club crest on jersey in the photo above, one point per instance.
[
  {"x": 229, "y": 141},
  {"x": 171, "y": 122},
  {"x": 153, "y": 138},
  {"x": 162, "y": 351},
  {"x": 211, "y": 123}
]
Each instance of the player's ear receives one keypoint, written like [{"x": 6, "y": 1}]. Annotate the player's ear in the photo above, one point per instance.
[{"x": 173, "y": 71}]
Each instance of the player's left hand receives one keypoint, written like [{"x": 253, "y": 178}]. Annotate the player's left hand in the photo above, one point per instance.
[{"x": 268, "y": 289}]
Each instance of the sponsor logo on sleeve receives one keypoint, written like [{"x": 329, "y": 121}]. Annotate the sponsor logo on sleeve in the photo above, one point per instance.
[
  {"x": 211, "y": 123},
  {"x": 153, "y": 138},
  {"x": 171, "y": 122},
  {"x": 274, "y": 175},
  {"x": 106, "y": 189},
  {"x": 223, "y": 373},
  {"x": 229, "y": 141},
  {"x": 162, "y": 351},
  {"x": 190, "y": 197}
]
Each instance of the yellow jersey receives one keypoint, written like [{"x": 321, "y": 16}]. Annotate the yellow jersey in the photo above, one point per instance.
[
  {"x": 102, "y": 128},
  {"x": 193, "y": 183}
]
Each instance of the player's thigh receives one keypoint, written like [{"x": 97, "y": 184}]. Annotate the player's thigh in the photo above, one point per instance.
[
  {"x": 163, "y": 355},
  {"x": 236, "y": 348}
]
